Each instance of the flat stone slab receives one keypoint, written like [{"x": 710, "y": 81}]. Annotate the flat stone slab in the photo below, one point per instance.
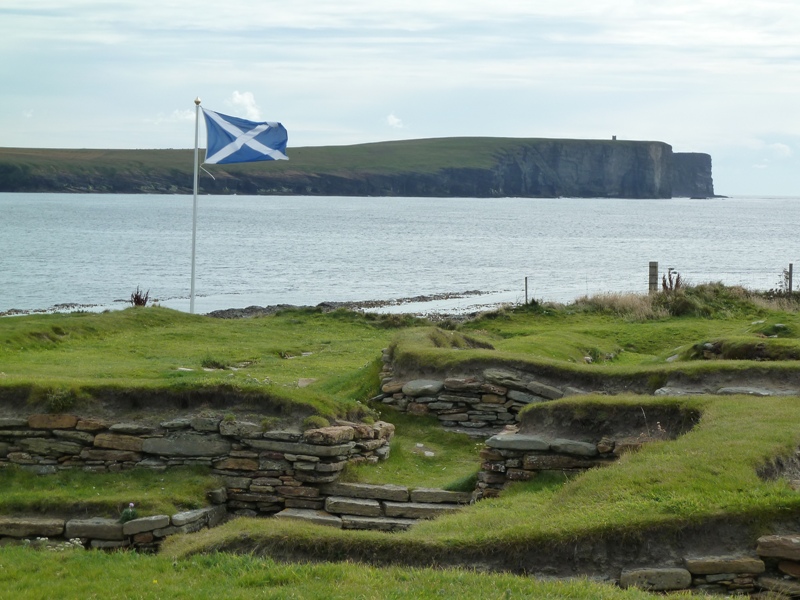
[
  {"x": 516, "y": 441},
  {"x": 145, "y": 524},
  {"x": 417, "y": 510},
  {"x": 782, "y": 586},
  {"x": 312, "y": 516},
  {"x": 23, "y": 527},
  {"x": 301, "y": 448},
  {"x": 353, "y": 506},
  {"x": 440, "y": 496},
  {"x": 714, "y": 565},
  {"x": 656, "y": 580},
  {"x": 186, "y": 444},
  {"x": 396, "y": 493},
  {"x": 544, "y": 390},
  {"x": 423, "y": 387},
  {"x": 95, "y": 528},
  {"x": 190, "y": 516},
  {"x": 573, "y": 447},
  {"x": 779, "y": 546},
  {"x": 747, "y": 391},
  {"x": 377, "y": 523}
]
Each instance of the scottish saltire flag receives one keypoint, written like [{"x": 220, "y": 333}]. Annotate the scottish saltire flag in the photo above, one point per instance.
[{"x": 234, "y": 140}]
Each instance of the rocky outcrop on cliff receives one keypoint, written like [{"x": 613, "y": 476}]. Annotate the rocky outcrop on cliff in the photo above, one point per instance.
[{"x": 691, "y": 175}]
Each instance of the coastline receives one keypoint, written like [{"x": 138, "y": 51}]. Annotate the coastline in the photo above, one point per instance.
[{"x": 436, "y": 307}]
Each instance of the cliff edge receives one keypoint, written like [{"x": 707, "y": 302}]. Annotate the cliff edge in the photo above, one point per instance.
[{"x": 441, "y": 167}]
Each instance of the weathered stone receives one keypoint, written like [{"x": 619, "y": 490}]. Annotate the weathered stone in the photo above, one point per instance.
[
  {"x": 216, "y": 515},
  {"x": 524, "y": 398},
  {"x": 23, "y": 433},
  {"x": 205, "y": 424},
  {"x": 437, "y": 496},
  {"x": 790, "y": 567},
  {"x": 113, "y": 441},
  {"x": 283, "y": 436},
  {"x": 145, "y": 524},
  {"x": 454, "y": 417},
  {"x": 417, "y": 510},
  {"x": 237, "y": 464},
  {"x": 544, "y": 390},
  {"x": 23, "y": 527},
  {"x": 505, "y": 378},
  {"x": 81, "y": 437},
  {"x": 131, "y": 428},
  {"x": 313, "y": 516},
  {"x": 558, "y": 462},
  {"x": 423, "y": 387},
  {"x": 312, "y": 503},
  {"x": 396, "y": 493},
  {"x": 91, "y": 425},
  {"x": 605, "y": 445},
  {"x": 48, "y": 421},
  {"x": 297, "y": 491},
  {"x": 218, "y": 496},
  {"x": 253, "y": 497},
  {"x": 460, "y": 399},
  {"x": 440, "y": 405},
  {"x": 573, "y": 391},
  {"x": 4, "y": 449},
  {"x": 353, "y": 506},
  {"x": 240, "y": 429},
  {"x": 110, "y": 455},
  {"x": 329, "y": 436},
  {"x": 515, "y": 441},
  {"x": 745, "y": 391},
  {"x": 50, "y": 446},
  {"x": 190, "y": 516},
  {"x": 492, "y": 399},
  {"x": 656, "y": 580},
  {"x": 417, "y": 409},
  {"x": 179, "y": 423},
  {"x": 573, "y": 447},
  {"x": 330, "y": 467},
  {"x": 143, "y": 538},
  {"x": 300, "y": 448},
  {"x": 187, "y": 444},
  {"x": 779, "y": 546},
  {"x": 782, "y": 586},
  {"x": 95, "y": 528},
  {"x": 468, "y": 384},
  {"x": 517, "y": 474},
  {"x": 392, "y": 387},
  {"x": 712, "y": 565},
  {"x": 376, "y": 523},
  {"x": 12, "y": 422},
  {"x": 497, "y": 390},
  {"x": 271, "y": 464}
]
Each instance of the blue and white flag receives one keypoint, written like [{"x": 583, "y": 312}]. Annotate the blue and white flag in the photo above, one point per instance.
[{"x": 234, "y": 140}]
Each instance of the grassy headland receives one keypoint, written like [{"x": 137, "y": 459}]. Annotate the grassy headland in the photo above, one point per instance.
[{"x": 712, "y": 476}]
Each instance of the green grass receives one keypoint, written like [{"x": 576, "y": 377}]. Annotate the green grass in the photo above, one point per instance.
[
  {"x": 72, "y": 358},
  {"x": 73, "y": 492},
  {"x": 454, "y": 461},
  {"x": 26, "y": 573}
]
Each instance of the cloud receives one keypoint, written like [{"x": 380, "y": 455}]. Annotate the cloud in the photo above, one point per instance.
[
  {"x": 245, "y": 102},
  {"x": 779, "y": 150},
  {"x": 176, "y": 116},
  {"x": 395, "y": 122}
]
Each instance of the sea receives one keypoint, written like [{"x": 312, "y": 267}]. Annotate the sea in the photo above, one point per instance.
[{"x": 65, "y": 252}]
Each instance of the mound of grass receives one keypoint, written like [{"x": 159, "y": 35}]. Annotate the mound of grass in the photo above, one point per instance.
[
  {"x": 155, "y": 355},
  {"x": 27, "y": 573},
  {"x": 74, "y": 492}
]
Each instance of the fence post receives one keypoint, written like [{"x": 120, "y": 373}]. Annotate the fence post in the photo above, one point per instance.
[
  {"x": 653, "y": 280},
  {"x": 791, "y": 268},
  {"x": 526, "y": 290}
]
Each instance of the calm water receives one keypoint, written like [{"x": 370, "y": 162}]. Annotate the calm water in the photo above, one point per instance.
[{"x": 95, "y": 249}]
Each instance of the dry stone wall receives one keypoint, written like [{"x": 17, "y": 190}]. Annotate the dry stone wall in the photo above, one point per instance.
[{"x": 489, "y": 400}]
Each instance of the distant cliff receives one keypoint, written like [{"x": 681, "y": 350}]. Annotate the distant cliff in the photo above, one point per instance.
[
  {"x": 445, "y": 167},
  {"x": 691, "y": 175}
]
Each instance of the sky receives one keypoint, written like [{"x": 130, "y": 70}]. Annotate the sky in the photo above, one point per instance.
[{"x": 714, "y": 76}]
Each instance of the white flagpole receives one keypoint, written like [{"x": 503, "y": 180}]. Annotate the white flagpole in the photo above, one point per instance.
[{"x": 194, "y": 204}]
